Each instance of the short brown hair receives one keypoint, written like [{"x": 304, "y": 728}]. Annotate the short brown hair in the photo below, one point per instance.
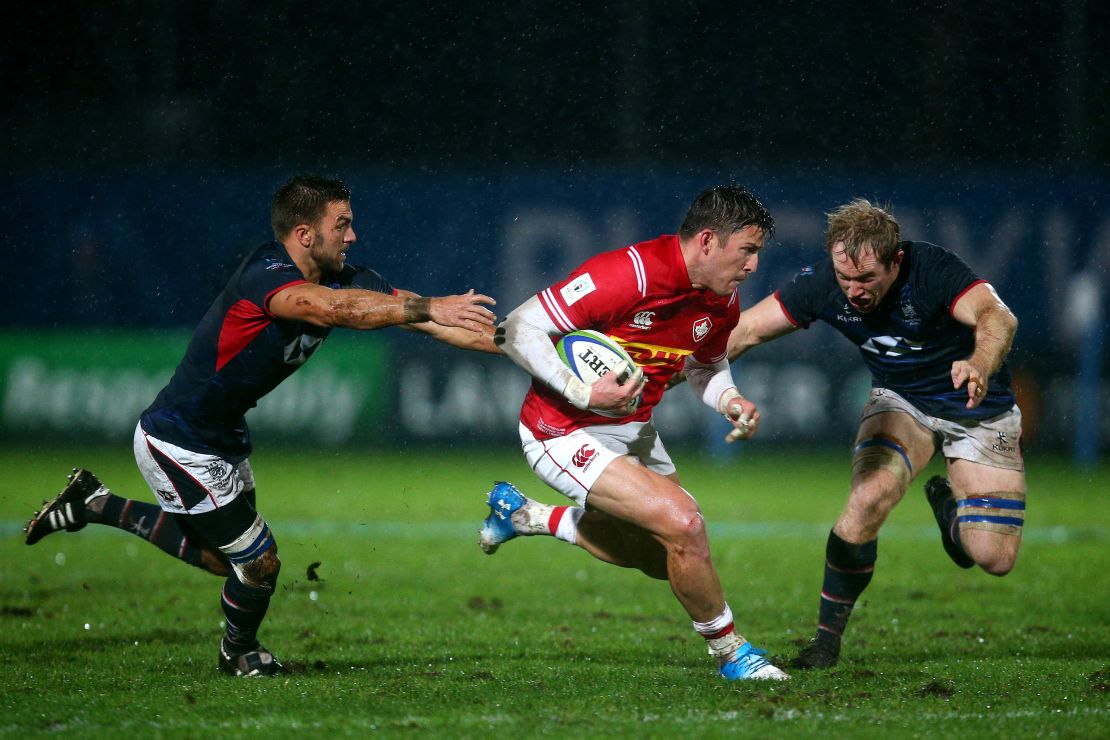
[
  {"x": 726, "y": 209},
  {"x": 304, "y": 200},
  {"x": 860, "y": 224}
]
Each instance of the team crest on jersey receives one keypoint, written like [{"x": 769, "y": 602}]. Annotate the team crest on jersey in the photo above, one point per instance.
[
  {"x": 219, "y": 474},
  {"x": 701, "y": 328},
  {"x": 908, "y": 311},
  {"x": 577, "y": 289},
  {"x": 642, "y": 320}
]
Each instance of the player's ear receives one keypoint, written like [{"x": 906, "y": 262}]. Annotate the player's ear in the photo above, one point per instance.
[
  {"x": 705, "y": 239},
  {"x": 303, "y": 234}
]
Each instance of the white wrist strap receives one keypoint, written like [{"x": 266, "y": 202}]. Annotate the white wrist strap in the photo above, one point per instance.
[
  {"x": 726, "y": 396},
  {"x": 578, "y": 393}
]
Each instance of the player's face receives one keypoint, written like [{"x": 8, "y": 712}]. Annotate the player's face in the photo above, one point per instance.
[
  {"x": 866, "y": 281},
  {"x": 734, "y": 259},
  {"x": 333, "y": 237}
]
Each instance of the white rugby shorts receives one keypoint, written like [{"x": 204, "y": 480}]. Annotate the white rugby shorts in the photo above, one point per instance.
[
  {"x": 186, "y": 482},
  {"x": 572, "y": 464},
  {"x": 995, "y": 442}
]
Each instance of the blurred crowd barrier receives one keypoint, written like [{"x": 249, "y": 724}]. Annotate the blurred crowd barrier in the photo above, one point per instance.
[{"x": 115, "y": 271}]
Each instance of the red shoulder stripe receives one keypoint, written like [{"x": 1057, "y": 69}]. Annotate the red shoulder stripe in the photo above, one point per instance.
[{"x": 243, "y": 322}]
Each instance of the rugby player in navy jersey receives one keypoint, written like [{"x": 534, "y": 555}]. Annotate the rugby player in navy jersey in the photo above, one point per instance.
[
  {"x": 934, "y": 336},
  {"x": 192, "y": 444}
]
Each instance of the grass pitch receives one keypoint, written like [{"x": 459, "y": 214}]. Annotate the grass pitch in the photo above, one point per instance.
[{"x": 410, "y": 629}]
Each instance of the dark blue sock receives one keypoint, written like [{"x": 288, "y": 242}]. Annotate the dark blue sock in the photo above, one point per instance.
[
  {"x": 244, "y": 609},
  {"x": 150, "y": 522},
  {"x": 848, "y": 570}
]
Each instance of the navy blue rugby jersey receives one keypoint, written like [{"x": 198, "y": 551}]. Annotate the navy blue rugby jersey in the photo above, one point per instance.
[
  {"x": 910, "y": 340},
  {"x": 239, "y": 353}
]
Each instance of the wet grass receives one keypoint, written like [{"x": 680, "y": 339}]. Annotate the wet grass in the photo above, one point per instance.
[{"x": 395, "y": 622}]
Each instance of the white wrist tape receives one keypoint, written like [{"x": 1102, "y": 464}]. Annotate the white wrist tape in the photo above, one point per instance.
[
  {"x": 578, "y": 393},
  {"x": 727, "y": 395}
]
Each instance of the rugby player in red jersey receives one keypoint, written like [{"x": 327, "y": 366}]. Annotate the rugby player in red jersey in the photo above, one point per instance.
[{"x": 669, "y": 302}]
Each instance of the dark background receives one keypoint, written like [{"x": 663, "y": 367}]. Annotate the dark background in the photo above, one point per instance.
[
  {"x": 497, "y": 146},
  {"x": 337, "y": 86}
]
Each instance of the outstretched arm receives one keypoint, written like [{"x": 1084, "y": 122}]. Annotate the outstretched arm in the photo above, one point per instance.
[
  {"x": 761, "y": 323},
  {"x": 355, "y": 308},
  {"x": 479, "y": 340},
  {"x": 995, "y": 325}
]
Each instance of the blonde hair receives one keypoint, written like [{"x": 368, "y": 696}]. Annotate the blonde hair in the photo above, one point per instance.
[{"x": 859, "y": 225}]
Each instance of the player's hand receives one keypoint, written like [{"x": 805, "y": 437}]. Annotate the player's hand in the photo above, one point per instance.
[
  {"x": 618, "y": 391},
  {"x": 744, "y": 417},
  {"x": 964, "y": 372},
  {"x": 465, "y": 311}
]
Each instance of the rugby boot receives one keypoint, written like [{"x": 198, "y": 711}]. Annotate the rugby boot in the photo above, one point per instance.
[
  {"x": 749, "y": 663},
  {"x": 68, "y": 510},
  {"x": 939, "y": 493},
  {"x": 256, "y": 662},
  {"x": 497, "y": 528},
  {"x": 818, "y": 654}
]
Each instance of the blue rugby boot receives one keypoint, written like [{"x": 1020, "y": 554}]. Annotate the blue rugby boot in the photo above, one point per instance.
[
  {"x": 749, "y": 663},
  {"x": 939, "y": 493},
  {"x": 497, "y": 528}
]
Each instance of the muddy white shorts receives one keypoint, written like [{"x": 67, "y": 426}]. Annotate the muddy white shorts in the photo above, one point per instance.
[
  {"x": 572, "y": 464},
  {"x": 187, "y": 482},
  {"x": 995, "y": 442}
]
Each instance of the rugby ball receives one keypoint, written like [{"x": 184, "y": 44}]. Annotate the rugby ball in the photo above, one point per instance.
[{"x": 589, "y": 355}]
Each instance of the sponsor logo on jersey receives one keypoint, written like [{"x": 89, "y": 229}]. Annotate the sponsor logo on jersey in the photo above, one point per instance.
[
  {"x": 577, "y": 289},
  {"x": 646, "y": 355},
  {"x": 276, "y": 264},
  {"x": 891, "y": 346},
  {"x": 701, "y": 328},
  {"x": 642, "y": 320},
  {"x": 584, "y": 456},
  {"x": 300, "y": 349}
]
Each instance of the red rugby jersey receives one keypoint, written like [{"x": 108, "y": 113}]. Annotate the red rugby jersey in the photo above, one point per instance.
[{"x": 642, "y": 297}]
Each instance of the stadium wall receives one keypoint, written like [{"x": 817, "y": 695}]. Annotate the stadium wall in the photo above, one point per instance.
[{"x": 125, "y": 265}]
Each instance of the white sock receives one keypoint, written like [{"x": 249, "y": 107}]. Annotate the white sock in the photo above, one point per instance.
[
  {"x": 567, "y": 528},
  {"x": 721, "y": 646}
]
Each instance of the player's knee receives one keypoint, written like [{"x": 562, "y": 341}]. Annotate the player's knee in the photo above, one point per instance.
[
  {"x": 873, "y": 497},
  {"x": 253, "y": 555},
  {"x": 686, "y": 533},
  {"x": 998, "y": 562},
  {"x": 263, "y": 570}
]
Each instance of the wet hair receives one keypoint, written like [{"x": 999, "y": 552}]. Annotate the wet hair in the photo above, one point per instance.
[
  {"x": 304, "y": 200},
  {"x": 860, "y": 224},
  {"x": 725, "y": 210}
]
